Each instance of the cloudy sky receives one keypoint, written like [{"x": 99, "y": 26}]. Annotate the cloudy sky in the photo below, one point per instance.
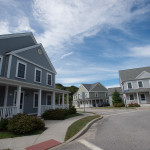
[{"x": 87, "y": 40}]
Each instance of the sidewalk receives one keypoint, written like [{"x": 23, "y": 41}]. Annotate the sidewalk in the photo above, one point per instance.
[{"x": 56, "y": 130}]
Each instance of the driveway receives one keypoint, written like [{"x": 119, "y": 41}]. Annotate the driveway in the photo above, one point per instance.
[{"x": 118, "y": 130}]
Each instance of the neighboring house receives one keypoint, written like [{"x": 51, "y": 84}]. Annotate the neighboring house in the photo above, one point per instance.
[
  {"x": 111, "y": 91},
  {"x": 90, "y": 95},
  {"x": 135, "y": 84},
  {"x": 27, "y": 77}
]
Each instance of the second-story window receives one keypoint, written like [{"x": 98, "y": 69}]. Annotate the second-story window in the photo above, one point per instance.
[
  {"x": 49, "y": 79},
  {"x": 21, "y": 70},
  {"x": 140, "y": 84},
  {"x": 129, "y": 85},
  {"x": 96, "y": 94},
  {"x": 38, "y": 74},
  {"x": 1, "y": 60}
]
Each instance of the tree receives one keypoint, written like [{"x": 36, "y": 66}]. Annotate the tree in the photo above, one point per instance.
[{"x": 116, "y": 97}]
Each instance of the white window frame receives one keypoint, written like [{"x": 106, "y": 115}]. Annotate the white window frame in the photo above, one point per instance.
[
  {"x": 46, "y": 99},
  {"x": 96, "y": 94},
  {"x": 144, "y": 95},
  {"x": 34, "y": 99},
  {"x": 47, "y": 78},
  {"x": 138, "y": 83},
  {"x": 35, "y": 75},
  {"x": 1, "y": 57},
  {"x": 131, "y": 85},
  {"x": 133, "y": 97},
  {"x": 21, "y": 62}
]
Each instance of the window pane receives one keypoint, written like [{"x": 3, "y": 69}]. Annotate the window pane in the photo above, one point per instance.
[
  {"x": 131, "y": 97},
  {"x": 48, "y": 99},
  {"x": 142, "y": 96},
  {"x": 49, "y": 80},
  {"x": 21, "y": 70},
  {"x": 38, "y": 76},
  {"x": 36, "y": 100},
  {"x": 129, "y": 85},
  {"x": 140, "y": 84}
]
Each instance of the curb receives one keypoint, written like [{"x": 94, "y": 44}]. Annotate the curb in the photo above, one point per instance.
[{"x": 80, "y": 133}]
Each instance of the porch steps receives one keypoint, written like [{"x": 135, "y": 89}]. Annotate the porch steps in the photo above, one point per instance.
[{"x": 44, "y": 145}]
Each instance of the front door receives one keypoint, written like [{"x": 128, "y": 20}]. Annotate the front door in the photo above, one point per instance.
[
  {"x": 143, "y": 98},
  {"x": 21, "y": 100}
]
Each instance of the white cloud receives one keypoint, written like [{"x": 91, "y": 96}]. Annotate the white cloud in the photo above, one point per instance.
[
  {"x": 4, "y": 28},
  {"x": 143, "y": 51},
  {"x": 65, "y": 55},
  {"x": 112, "y": 86}
]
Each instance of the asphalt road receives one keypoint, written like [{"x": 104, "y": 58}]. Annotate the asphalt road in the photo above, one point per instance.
[{"x": 121, "y": 130}]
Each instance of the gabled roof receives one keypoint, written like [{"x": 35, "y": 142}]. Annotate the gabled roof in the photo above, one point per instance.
[
  {"x": 87, "y": 86},
  {"x": 112, "y": 90},
  {"x": 131, "y": 74}
]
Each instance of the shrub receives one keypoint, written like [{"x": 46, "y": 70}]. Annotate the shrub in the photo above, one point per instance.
[
  {"x": 3, "y": 124},
  {"x": 119, "y": 104},
  {"x": 57, "y": 114},
  {"x": 72, "y": 110},
  {"x": 23, "y": 123},
  {"x": 133, "y": 105}
]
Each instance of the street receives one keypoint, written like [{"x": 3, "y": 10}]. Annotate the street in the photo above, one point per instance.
[{"x": 118, "y": 130}]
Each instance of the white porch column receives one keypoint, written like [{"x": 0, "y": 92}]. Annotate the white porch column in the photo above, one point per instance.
[
  {"x": 18, "y": 99},
  {"x": 59, "y": 100},
  {"x": 54, "y": 100},
  {"x": 68, "y": 100},
  {"x": 6, "y": 96},
  {"x": 39, "y": 102},
  {"x": 63, "y": 100},
  {"x": 138, "y": 98}
]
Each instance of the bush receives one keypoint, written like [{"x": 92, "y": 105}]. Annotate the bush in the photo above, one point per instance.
[
  {"x": 57, "y": 114},
  {"x": 23, "y": 123},
  {"x": 119, "y": 104},
  {"x": 3, "y": 124},
  {"x": 72, "y": 110},
  {"x": 133, "y": 105}
]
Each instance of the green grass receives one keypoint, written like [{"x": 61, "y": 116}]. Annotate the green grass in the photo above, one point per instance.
[
  {"x": 78, "y": 125},
  {"x": 111, "y": 107},
  {"x": 5, "y": 134},
  {"x": 72, "y": 115}
]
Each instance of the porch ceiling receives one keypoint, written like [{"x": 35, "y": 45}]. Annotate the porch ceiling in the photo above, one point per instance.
[{"x": 138, "y": 90}]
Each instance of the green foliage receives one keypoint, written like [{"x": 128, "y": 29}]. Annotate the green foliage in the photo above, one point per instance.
[
  {"x": 133, "y": 105},
  {"x": 72, "y": 110},
  {"x": 3, "y": 124},
  {"x": 116, "y": 97},
  {"x": 23, "y": 123},
  {"x": 119, "y": 104}
]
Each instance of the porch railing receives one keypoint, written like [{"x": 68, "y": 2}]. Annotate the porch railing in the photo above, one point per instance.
[{"x": 8, "y": 112}]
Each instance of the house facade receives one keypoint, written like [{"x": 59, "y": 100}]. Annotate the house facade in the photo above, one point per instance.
[
  {"x": 135, "y": 84},
  {"x": 27, "y": 77},
  {"x": 111, "y": 91},
  {"x": 90, "y": 95}
]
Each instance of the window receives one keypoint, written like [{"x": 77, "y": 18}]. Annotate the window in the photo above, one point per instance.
[
  {"x": 38, "y": 73},
  {"x": 49, "y": 99},
  {"x": 140, "y": 84},
  {"x": 143, "y": 97},
  {"x": 21, "y": 70},
  {"x": 129, "y": 85},
  {"x": 49, "y": 79},
  {"x": 131, "y": 97},
  {"x": 35, "y": 100},
  {"x": 1, "y": 61},
  {"x": 96, "y": 94}
]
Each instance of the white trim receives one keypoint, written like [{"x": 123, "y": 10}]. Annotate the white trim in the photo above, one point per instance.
[
  {"x": 47, "y": 78},
  {"x": 1, "y": 63},
  {"x": 21, "y": 62},
  {"x": 131, "y": 85},
  {"x": 138, "y": 83},
  {"x": 142, "y": 73},
  {"x": 51, "y": 98},
  {"x": 33, "y": 63},
  {"x": 34, "y": 100},
  {"x": 9, "y": 66},
  {"x": 35, "y": 75}
]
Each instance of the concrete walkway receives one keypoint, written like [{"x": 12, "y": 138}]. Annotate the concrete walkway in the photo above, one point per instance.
[{"x": 56, "y": 130}]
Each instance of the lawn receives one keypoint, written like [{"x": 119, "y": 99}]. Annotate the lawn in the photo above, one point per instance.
[
  {"x": 111, "y": 107},
  {"x": 72, "y": 115},
  {"x": 78, "y": 125},
  {"x": 5, "y": 134}
]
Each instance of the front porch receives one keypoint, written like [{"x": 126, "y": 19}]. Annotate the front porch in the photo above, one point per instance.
[{"x": 19, "y": 97}]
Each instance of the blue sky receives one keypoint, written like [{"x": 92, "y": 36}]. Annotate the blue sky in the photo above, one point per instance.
[{"x": 87, "y": 40}]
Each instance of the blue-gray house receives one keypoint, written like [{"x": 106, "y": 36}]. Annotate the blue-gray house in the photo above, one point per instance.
[{"x": 27, "y": 77}]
